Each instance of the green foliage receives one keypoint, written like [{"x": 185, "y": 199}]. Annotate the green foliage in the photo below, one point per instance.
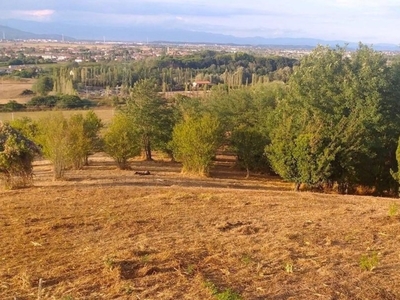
[
  {"x": 16, "y": 156},
  {"x": 153, "y": 118},
  {"x": 72, "y": 101},
  {"x": 27, "y": 92},
  {"x": 249, "y": 144},
  {"x": 12, "y": 105},
  {"x": 63, "y": 81},
  {"x": 369, "y": 262},
  {"x": 66, "y": 142},
  {"x": 396, "y": 174},
  {"x": 79, "y": 142},
  {"x": 195, "y": 142},
  {"x": 42, "y": 101},
  {"x": 187, "y": 107},
  {"x": 54, "y": 138},
  {"x": 26, "y": 126},
  {"x": 226, "y": 294},
  {"x": 393, "y": 209},
  {"x": 92, "y": 125},
  {"x": 122, "y": 140},
  {"x": 60, "y": 101},
  {"x": 43, "y": 85},
  {"x": 172, "y": 73},
  {"x": 289, "y": 268},
  {"x": 339, "y": 121}
]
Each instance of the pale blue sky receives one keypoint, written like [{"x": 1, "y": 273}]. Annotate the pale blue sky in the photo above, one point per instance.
[{"x": 351, "y": 20}]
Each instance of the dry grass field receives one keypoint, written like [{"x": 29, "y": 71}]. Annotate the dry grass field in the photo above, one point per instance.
[
  {"x": 110, "y": 234},
  {"x": 12, "y": 89},
  {"x": 104, "y": 114}
]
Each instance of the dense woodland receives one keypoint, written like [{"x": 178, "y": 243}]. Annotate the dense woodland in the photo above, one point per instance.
[{"x": 329, "y": 122}]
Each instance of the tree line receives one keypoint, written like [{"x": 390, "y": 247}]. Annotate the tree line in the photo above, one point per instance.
[
  {"x": 173, "y": 73},
  {"x": 335, "y": 125}
]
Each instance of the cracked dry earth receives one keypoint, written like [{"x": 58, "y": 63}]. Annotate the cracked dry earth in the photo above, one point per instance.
[{"x": 110, "y": 234}]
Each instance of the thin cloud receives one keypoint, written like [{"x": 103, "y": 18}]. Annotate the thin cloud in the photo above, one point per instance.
[
  {"x": 40, "y": 15},
  {"x": 352, "y": 20}
]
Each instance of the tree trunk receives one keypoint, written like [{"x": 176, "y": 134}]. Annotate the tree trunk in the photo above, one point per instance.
[
  {"x": 147, "y": 147},
  {"x": 247, "y": 173},
  {"x": 297, "y": 186}
]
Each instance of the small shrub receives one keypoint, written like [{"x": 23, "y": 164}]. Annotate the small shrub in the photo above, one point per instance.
[
  {"x": 13, "y": 105},
  {"x": 195, "y": 142},
  {"x": 53, "y": 137},
  {"x": 72, "y": 101},
  {"x": 393, "y": 209},
  {"x": 289, "y": 268},
  {"x": 121, "y": 140},
  {"x": 110, "y": 263},
  {"x": 26, "y": 92},
  {"x": 226, "y": 294},
  {"x": 368, "y": 262},
  {"x": 42, "y": 101},
  {"x": 16, "y": 156},
  {"x": 247, "y": 259}
]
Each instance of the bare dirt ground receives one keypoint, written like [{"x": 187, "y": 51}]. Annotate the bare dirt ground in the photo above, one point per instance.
[
  {"x": 111, "y": 234},
  {"x": 12, "y": 89}
]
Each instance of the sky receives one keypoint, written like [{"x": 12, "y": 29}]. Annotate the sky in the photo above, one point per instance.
[{"x": 368, "y": 21}]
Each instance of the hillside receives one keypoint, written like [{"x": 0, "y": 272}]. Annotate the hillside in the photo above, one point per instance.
[
  {"x": 9, "y": 33},
  {"x": 110, "y": 234}
]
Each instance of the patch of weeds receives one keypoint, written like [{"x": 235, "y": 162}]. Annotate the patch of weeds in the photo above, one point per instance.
[
  {"x": 226, "y": 294},
  {"x": 127, "y": 289},
  {"x": 190, "y": 269},
  {"x": 145, "y": 259},
  {"x": 368, "y": 262},
  {"x": 393, "y": 209},
  {"x": 110, "y": 262},
  {"x": 289, "y": 267},
  {"x": 247, "y": 259}
]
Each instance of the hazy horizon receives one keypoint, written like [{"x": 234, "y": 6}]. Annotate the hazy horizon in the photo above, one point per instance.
[{"x": 348, "y": 20}]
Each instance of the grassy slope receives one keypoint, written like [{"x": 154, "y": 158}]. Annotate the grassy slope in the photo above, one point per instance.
[{"x": 108, "y": 234}]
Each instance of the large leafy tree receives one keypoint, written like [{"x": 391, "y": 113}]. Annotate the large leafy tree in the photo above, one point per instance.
[
  {"x": 339, "y": 122},
  {"x": 152, "y": 116},
  {"x": 245, "y": 115},
  {"x": 43, "y": 85}
]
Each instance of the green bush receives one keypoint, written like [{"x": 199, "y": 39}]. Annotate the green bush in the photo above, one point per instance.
[
  {"x": 62, "y": 102},
  {"x": 42, "y": 101},
  {"x": 248, "y": 145},
  {"x": 368, "y": 262},
  {"x": 122, "y": 140},
  {"x": 12, "y": 105},
  {"x": 72, "y": 101},
  {"x": 16, "y": 156},
  {"x": 26, "y": 126},
  {"x": 53, "y": 137},
  {"x": 195, "y": 142}
]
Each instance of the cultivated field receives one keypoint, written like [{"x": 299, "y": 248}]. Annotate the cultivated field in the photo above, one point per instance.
[
  {"x": 111, "y": 234},
  {"x": 12, "y": 89}
]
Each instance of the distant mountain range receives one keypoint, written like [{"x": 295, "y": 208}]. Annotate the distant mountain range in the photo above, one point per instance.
[
  {"x": 71, "y": 32},
  {"x": 9, "y": 33}
]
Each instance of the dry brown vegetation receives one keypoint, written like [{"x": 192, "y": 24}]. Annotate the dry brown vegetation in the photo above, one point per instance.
[
  {"x": 12, "y": 89},
  {"x": 104, "y": 114},
  {"x": 111, "y": 234}
]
